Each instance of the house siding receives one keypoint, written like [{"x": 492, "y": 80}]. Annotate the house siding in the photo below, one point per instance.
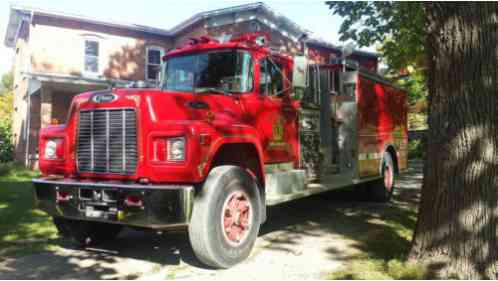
[
  {"x": 20, "y": 88},
  {"x": 121, "y": 53},
  {"x": 196, "y": 30},
  {"x": 277, "y": 40}
]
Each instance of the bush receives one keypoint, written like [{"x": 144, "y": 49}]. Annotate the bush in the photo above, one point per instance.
[
  {"x": 6, "y": 145},
  {"x": 416, "y": 149}
]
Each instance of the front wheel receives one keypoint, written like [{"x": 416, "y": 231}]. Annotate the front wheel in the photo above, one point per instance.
[
  {"x": 382, "y": 190},
  {"x": 226, "y": 217}
]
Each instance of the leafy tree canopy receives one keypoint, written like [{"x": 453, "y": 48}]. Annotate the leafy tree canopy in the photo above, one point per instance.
[
  {"x": 7, "y": 82},
  {"x": 6, "y": 98},
  {"x": 397, "y": 26},
  {"x": 399, "y": 29}
]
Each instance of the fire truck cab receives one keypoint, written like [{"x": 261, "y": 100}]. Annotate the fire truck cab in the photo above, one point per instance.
[{"x": 232, "y": 128}]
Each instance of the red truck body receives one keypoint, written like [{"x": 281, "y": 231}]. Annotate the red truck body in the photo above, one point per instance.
[
  {"x": 382, "y": 114},
  {"x": 110, "y": 162}
]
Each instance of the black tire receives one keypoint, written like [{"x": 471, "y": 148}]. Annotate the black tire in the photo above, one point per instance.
[
  {"x": 381, "y": 190},
  {"x": 208, "y": 235},
  {"x": 87, "y": 233}
]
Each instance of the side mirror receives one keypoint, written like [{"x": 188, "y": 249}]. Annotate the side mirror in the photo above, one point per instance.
[
  {"x": 159, "y": 77},
  {"x": 349, "y": 81},
  {"x": 349, "y": 77},
  {"x": 300, "y": 72}
]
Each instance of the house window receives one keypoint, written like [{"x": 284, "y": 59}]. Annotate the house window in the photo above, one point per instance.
[
  {"x": 91, "y": 56},
  {"x": 153, "y": 62}
]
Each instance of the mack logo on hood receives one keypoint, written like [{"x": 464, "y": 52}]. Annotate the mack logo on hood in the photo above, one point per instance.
[{"x": 104, "y": 97}]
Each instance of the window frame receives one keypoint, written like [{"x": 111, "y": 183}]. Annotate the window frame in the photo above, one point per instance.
[
  {"x": 264, "y": 91},
  {"x": 147, "y": 63},
  {"x": 85, "y": 55},
  {"x": 250, "y": 70}
]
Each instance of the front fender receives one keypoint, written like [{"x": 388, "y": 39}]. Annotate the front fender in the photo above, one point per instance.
[{"x": 251, "y": 139}]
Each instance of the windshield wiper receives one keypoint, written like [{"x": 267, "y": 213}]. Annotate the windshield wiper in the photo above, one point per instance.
[{"x": 214, "y": 90}]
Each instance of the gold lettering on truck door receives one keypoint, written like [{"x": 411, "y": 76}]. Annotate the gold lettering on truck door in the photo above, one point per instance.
[{"x": 278, "y": 130}]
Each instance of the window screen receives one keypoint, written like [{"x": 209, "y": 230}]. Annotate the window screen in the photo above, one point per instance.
[
  {"x": 91, "y": 56},
  {"x": 153, "y": 62}
]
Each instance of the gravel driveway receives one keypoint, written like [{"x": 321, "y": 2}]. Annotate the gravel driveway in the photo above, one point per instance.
[{"x": 304, "y": 239}]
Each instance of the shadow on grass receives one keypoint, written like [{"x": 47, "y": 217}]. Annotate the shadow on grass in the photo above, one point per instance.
[
  {"x": 378, "y": 235},
  {"x": 31, "y": 249},
  {"x": 378, "y": 238}
]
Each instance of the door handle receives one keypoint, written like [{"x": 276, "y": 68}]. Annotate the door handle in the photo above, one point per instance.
[{"x": 288, "y": 110}]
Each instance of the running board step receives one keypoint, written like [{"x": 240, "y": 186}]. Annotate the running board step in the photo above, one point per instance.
[{"x": 283, "y": 186}]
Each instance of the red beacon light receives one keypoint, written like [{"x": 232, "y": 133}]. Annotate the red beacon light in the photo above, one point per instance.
[
  {"x": 259, "y": 39},
  {"x": 202, "y": 40}
]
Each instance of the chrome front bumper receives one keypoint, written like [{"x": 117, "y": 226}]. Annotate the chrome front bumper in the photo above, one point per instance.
[{"x": 159, "y": 207}]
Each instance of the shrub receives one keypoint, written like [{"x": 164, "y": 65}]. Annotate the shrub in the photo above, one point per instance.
[{"x": 6, "y": 145}]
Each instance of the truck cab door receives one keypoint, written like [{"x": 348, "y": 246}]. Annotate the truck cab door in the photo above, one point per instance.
[{"x": 272, "y": 112}]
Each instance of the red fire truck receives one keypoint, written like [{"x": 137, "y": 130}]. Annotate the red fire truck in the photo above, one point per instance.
[{"x": 233, "y": 128}]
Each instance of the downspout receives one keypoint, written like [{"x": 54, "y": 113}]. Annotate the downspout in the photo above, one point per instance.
[
  {"x": 28, "y": 104},
  {"x": 28, "y": 128}
]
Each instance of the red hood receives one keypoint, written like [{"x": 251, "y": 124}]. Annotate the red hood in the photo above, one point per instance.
[{"x": 165, "y": 105}]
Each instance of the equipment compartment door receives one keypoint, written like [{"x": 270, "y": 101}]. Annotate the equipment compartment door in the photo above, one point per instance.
[
  {"x": 309, "y": 127},
  {"x": 345, "y": 119}
]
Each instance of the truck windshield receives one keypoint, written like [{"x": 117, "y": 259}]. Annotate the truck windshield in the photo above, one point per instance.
[{"x": 213, "y": 72}]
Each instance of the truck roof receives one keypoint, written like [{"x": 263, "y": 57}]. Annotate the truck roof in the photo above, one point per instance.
[
  {"x": 248, "y": 41},
  {"x": 366, "y": 73}
]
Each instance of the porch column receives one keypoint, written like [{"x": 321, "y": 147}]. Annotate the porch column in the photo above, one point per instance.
[{"x": 46, "y": 106}]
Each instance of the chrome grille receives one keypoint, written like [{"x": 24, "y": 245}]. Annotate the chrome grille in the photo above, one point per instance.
[{"x": 107, "y": 141}]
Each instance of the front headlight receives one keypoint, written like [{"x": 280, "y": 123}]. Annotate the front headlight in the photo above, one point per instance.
[
  {"x": 176, "y": 149},
  {"x": 51, "y": 149}
]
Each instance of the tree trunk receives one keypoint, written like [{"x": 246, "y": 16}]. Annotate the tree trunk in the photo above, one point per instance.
[{"x": 458, "y": 210}]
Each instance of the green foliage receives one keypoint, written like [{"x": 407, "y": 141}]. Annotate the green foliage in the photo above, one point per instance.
[
  {"x": 416, "y": 149},
  {"x": 7, "y": 82},
  {"x": 399, "y": 28},
  {"x": 415, "y": 84},
  {"x": 418, "y": 121},
  {"x": 6, "y": 110}
]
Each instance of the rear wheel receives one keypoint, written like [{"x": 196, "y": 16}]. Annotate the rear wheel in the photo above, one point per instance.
[
  {"x": 382, "y": 190},
  {"x": 226, "y": 217},
  {"x": 87, "y": 233}
]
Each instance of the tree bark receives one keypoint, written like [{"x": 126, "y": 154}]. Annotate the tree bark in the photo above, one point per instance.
[{"x": 458, "y": 211}]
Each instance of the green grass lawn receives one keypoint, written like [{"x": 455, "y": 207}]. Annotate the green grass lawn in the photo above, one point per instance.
[
  {"x": 23, "y": 229},
  {"x": 383, "y": 245}
]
